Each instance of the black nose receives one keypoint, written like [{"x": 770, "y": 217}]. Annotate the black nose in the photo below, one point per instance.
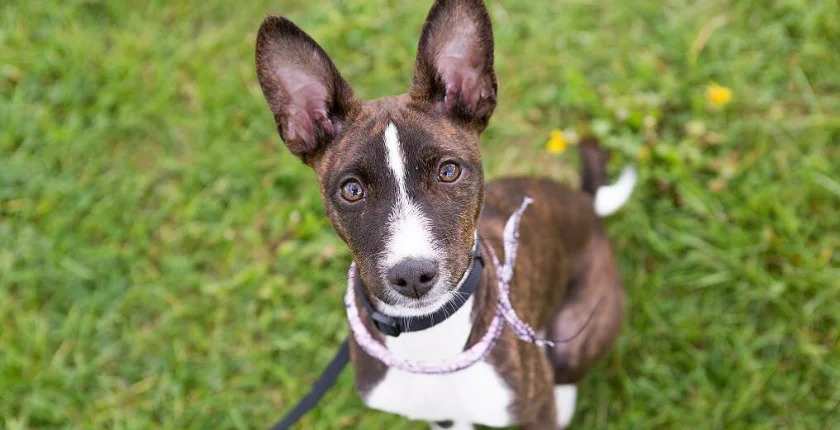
[{"x": 413, "y": 277}]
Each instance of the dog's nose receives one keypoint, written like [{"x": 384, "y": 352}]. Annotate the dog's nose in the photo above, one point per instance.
[{"x": 413, "y": 277}]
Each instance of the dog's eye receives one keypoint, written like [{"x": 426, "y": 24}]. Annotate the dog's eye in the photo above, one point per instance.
[
  {"x": 449, "y": 172},
  {"x": 352, "y": 191}
]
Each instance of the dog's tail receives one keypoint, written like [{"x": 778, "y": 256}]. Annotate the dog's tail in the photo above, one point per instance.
[{"x": 608, "y": 198}]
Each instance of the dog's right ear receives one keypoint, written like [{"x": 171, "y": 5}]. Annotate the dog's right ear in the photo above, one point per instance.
[
  {"x": 309, "y": 98},
  {"x": 454, "y": 67}
]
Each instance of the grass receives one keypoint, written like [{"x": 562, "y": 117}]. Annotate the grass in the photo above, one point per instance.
[{"x": 165, "y": 263}]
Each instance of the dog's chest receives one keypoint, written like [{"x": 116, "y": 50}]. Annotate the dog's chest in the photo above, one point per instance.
[{"x": 477, "y": 394}]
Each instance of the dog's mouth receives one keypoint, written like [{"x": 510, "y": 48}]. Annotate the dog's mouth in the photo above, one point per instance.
[{"x": 395, "y": 304}]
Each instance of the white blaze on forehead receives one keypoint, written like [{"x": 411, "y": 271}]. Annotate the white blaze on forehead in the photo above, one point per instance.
[
  {"x": 409, "y": 234},
  {"x": 396, "y": 162}
]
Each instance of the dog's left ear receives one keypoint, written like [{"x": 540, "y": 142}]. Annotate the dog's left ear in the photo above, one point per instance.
[{"x": 454, "y": 68}]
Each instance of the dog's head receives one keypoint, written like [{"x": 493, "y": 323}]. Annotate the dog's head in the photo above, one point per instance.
[{"x": 400, "y": 177}]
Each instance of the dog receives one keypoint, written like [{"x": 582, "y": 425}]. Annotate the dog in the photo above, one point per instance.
[{"x": 401, "y": 181}]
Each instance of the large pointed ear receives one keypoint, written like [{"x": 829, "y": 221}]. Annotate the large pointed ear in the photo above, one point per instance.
[
  {"x": 454, "y": 68},
  {"x": 309, "y": 98}
]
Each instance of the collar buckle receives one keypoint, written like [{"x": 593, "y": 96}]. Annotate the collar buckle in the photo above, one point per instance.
[{"x": 385, "y": 324}]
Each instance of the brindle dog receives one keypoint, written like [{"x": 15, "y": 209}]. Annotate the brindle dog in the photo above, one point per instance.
[{"x": 401, "y": 181}]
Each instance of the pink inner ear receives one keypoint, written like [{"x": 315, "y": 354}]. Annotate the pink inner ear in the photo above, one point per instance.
[
  {"x": 459, "y": 66},
  {"x": 463, "y": 83},
  {"x": 307, "y": 106}
]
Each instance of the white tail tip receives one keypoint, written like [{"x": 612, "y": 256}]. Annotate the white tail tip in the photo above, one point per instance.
[{"x": 611, "y": 198}]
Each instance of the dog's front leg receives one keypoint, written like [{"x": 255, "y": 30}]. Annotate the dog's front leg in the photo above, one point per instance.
[{"x": 546, "y": 417}]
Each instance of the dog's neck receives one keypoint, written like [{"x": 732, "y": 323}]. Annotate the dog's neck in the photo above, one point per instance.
[{"x": 457, "y": 332}]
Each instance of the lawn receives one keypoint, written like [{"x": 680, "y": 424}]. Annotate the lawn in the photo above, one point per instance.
[{"x": 165, "y": 263}]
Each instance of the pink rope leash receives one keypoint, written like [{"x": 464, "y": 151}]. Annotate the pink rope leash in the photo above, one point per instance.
[{"x": 505, "y": 273}]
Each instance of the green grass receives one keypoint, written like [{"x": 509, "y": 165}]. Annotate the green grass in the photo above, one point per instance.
[{"x": 164, "y": 262}]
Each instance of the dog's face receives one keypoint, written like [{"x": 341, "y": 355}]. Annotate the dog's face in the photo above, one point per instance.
[{"x": 400, "y": 177}]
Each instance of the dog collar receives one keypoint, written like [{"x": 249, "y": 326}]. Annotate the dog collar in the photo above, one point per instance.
[{"x": 393, "y": 326}]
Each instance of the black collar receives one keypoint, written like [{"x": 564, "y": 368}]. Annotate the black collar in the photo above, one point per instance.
[{"x": 393, "y": 326}]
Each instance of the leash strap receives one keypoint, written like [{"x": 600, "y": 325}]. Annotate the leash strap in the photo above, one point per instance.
[{"x": 324, "y": 382}]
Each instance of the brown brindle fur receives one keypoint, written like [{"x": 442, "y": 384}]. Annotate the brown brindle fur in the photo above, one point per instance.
[{"x": 553, "y": 234}]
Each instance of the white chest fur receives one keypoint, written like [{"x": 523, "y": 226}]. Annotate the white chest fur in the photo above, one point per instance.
[{"x": 477, "y": 394}]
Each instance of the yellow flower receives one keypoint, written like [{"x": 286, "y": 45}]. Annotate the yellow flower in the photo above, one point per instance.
[
  {"x": 644, "y": 153},
  {"x": 557, "y": 143},
  {"x": 718, "y": 95}
]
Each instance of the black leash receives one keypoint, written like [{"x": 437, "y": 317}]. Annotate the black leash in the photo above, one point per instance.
[{"x": 324, "y": 382}]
